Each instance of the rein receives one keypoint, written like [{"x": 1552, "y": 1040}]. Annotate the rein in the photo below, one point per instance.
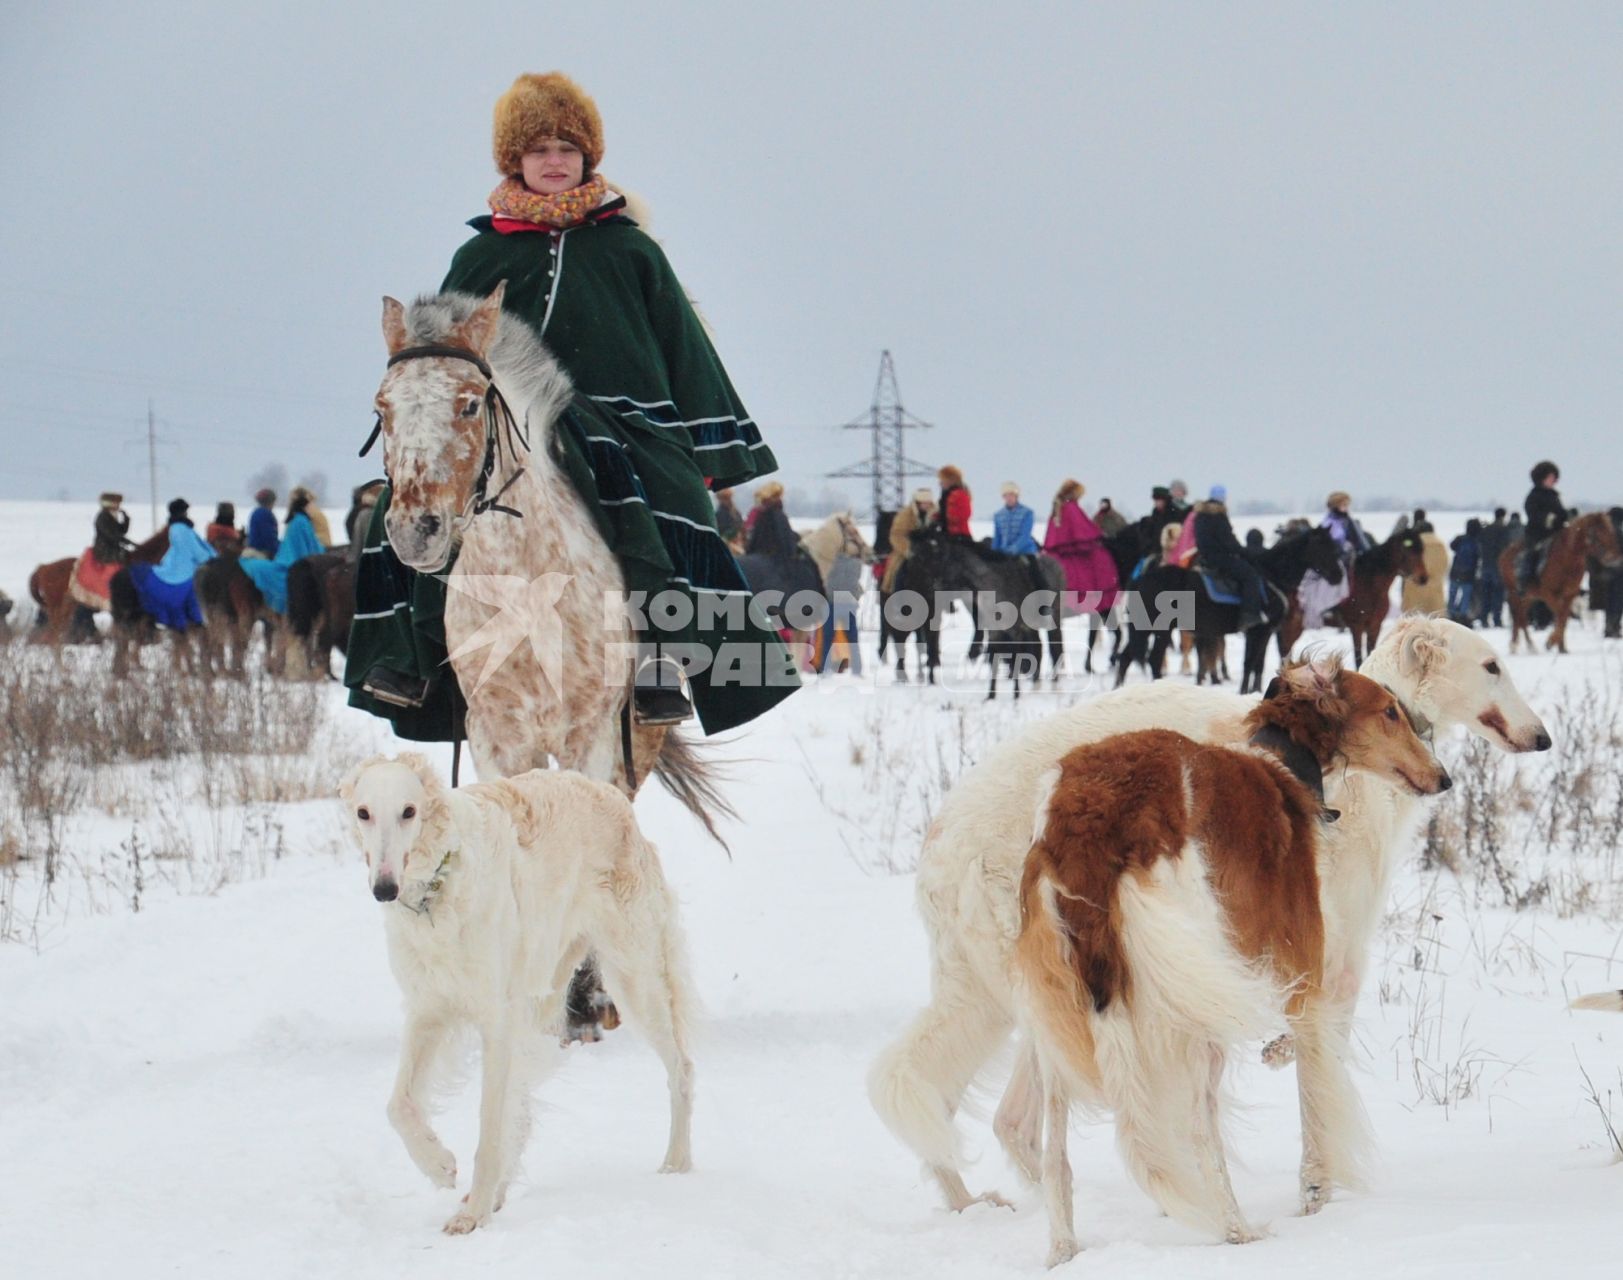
[{"x": 499, "y": 424}]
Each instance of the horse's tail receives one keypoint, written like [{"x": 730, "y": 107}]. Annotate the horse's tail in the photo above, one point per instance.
[
  {"x": 692, "y": 778},
  {"x": 34, "y": 588}
]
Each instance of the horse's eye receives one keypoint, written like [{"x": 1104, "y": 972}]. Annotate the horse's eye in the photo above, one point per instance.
[
  {"x": 1492, "y": 668},
  {"x": 410, "y": 811},
  {"x": 1391, "y": 713},
  {"x": 363, "y": 815},
  {"x": 469, "y": 409}
]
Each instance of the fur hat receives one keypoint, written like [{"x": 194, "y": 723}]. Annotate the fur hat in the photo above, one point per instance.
[
  {"x": 265, "y": 497},
  {"x": 1340, "y": 498},
  {"x": 1160, "y": 493},
  {"x": 949, "y": 475},
  {"x": 1070, "y": 491},
  {"x": 178, "y": 509},
  {"x": 771, "y": 491},
  {"x": 1009, "y": 486},
  {"x": 924, "y": 495},
  {"x": 111, "y": 499},
  {"x": 548, "y": 106},
  {"x": 1543, "y": 469}
]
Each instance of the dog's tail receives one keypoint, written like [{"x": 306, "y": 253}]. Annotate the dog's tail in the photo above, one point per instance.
[
  {"x": 693, "y": 779},
  {"x": 1604, "y": 1001}
]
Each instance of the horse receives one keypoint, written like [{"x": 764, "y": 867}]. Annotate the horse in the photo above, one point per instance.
[
  {"x": 1369, "y": 601},
  {"x": 134, "y": 627},
  {"x": 320, "y": 606},
  {"x": 787, "y": 577},
  {"x": 835, "y": 537},
  {"x": 1282, "y": 566},
  {"x": 50, "y": 586},
  {"x": 940, "y": 565},
  {"x": 231, "y": 605},
  {"x": 1570, "y": 548},
  {"x": 461, "y": 378}
]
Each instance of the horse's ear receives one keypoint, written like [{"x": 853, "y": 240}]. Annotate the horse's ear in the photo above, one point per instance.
[
  {"x": 478, "y": 331},
  {"x": 394, "y": 325}
]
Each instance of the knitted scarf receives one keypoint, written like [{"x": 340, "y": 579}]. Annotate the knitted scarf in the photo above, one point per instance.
[{"x": 565, "y": 209}]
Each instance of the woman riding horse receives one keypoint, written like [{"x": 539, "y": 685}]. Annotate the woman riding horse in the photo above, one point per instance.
[{"x": 666, "y": 423}]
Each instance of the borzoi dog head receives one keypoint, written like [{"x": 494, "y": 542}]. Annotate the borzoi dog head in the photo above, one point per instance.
[
  {"x": 1341, "y": 717},
  {"x": 397, "y": 811},
  {"x": 1451, "y": 675}
]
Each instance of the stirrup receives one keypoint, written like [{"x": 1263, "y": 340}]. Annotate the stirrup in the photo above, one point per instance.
[
  {"x": 395, "y": 687},
  {"x": 657, "y": 697}
]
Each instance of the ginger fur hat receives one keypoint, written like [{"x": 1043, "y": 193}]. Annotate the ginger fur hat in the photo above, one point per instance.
[{"x": 545, "y": 106}]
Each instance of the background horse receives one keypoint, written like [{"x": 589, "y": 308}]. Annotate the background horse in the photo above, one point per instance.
[
  {"x": 49, "y": 585},
  {"x": 835, "y": 537},
  {"x": 231, "y": 604},
  {"x": 1370, "y": 600},
  {"x": 787, "y": 576},
  {"x": 1557, "y": 587},
  {"x": 1282, "y": 567},
  {"x": 940, "y": 565},
  {"x": 320, "y": 607}
]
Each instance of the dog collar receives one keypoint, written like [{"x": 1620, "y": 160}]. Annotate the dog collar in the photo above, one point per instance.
[
  {"x": 431, "y": 890},
  {"x": 1301, "y": 763}
]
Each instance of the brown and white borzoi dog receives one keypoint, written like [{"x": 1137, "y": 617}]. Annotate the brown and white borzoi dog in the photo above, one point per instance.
[
  {"x": 971, "y": 863},
  {"x": 1170, "y": 910},
  {"x": 493, "y": 893}
]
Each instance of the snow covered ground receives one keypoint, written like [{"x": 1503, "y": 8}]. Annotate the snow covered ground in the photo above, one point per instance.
[{"x": 196, "y": 1088}]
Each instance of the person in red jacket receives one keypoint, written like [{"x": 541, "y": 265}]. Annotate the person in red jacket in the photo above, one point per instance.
[{"x": 953, "y": 514}]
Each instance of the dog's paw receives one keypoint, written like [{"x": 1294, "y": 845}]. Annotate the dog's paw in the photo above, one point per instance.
[
  {"x": 1315, "y": 1195},
  {"x": 1279, "y": 1052},
  {"x": 1242, "y": 1234},
  {"x": 439, "y": 1166},
  {"x": 1061, "y": 1252},
  {"x": 462, "y": 1222},
  {"x": 677, "y": 1164}
]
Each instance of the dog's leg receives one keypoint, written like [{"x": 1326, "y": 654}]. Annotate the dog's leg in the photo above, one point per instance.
[
  {"x": 1056, "y": 1168},
  {"x": 491, "y": 1158},
  {"x": 647, "y": 975},
  {"x": 1335, "y": 1133},
  {"x": 1019, "y": 1120},
  {"x": 918, "y": 1082},
  {"x": 1209, "y": 1154},
  {"x": 423, "y": 1037}
]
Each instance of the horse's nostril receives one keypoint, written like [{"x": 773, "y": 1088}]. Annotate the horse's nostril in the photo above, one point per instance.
[{"x": 430, "y": 525}]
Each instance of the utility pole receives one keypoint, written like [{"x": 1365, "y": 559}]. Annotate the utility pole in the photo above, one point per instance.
[
  {"x": 152, "y": 461},
  {"x": 888, "y": 465}
]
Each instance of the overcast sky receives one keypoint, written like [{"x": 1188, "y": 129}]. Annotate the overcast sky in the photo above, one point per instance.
[{"x": 1287, "y": 247}]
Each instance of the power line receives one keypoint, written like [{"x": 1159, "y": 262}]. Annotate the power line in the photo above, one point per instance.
[{"x": 888, "y": 466}]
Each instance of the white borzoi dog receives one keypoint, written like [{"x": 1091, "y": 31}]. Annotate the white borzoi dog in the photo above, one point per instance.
[
  {"x": 969, "y": 881},
  {"x": 492, "y": 896}
]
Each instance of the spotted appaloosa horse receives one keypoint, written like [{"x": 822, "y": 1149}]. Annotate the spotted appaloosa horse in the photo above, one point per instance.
[
  {"x": 531, "y": 695},
  {"x": 1557, "y": 587}
]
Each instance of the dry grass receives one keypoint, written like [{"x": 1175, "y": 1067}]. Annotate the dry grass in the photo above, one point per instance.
[{"x": 187, "y": 772}]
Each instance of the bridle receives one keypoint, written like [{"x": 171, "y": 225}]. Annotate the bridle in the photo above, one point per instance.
[{"x": 498, "y": 415}]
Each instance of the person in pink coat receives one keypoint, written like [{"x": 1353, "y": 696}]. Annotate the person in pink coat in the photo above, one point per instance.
[{"x": 1076, "y": 542}]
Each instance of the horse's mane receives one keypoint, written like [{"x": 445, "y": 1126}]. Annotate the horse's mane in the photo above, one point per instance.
[{"x": 531, "y": 379}]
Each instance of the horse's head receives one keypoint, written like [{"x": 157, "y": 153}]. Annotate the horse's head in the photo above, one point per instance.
[
  {"x": 1409, "y": 556},
  {"x": 1323, "y": 555},
  {"x": 1601, "y": 539},
  {"x": 852, "y": 543},
  {"x": 431, "y": 409}
]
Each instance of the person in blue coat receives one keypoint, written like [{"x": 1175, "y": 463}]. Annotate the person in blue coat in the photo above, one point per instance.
[
  {"x": 298, "y": 541},
  {"x": 262, "y": 533},
  {"x": 165, "y": 589},
  {"x": 1012, "y": 525}
]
